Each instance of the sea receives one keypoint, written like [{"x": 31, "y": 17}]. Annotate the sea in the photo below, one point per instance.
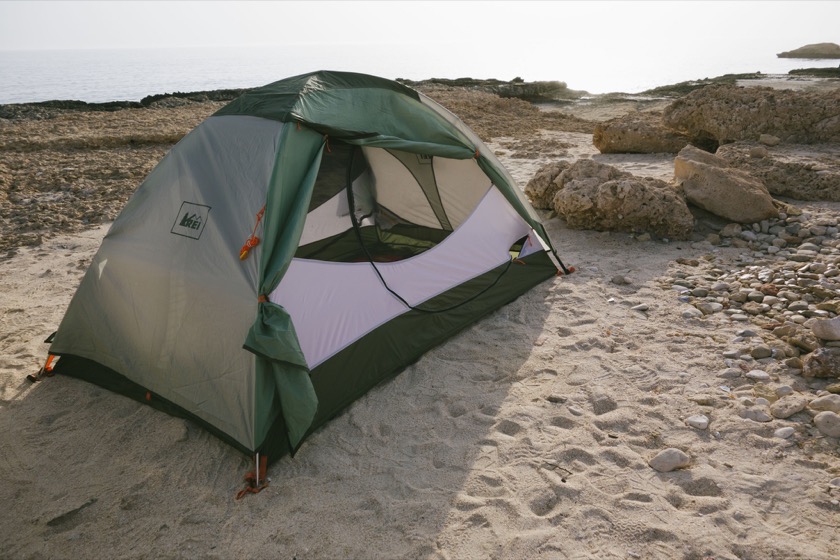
[{"x": 131, "y": 74}]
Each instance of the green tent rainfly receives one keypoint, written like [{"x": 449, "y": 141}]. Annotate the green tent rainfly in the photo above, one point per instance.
[{"x": 376, "y": 225}]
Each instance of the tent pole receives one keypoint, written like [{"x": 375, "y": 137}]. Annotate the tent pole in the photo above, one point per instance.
[{"x": 257, "y": 467}]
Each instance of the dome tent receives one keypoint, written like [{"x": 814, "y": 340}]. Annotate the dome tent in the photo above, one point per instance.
[{"x": 376, "y": 225}]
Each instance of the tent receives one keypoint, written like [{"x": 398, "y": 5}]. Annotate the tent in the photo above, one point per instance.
[{"x": 307, "y": 241}]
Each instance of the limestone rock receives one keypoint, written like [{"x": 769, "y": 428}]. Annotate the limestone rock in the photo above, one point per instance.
[
  {"x": 792, "y": 170},
  {"x": 815, "y": 50},
  {"x": 698, "y": 421},
  {"x": 822, "y": 362},
  {"x": 826, "y": 402},
  {"x": 828, "y": 423},
  {"x": 787, "y": 406},
  {"x": 601, "y": 197},
  {"x": 729, "y": 193},
  {"x": 670, "y": 459},
  {"x": 825, "y": 329},
  {"x": 720, "y": 114},
  {"x": 541, "y": 189},
  {"x": 637, "y": 133}
]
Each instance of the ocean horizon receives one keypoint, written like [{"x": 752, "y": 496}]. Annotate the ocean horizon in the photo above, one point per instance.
[{"x": 104, "y": 75}]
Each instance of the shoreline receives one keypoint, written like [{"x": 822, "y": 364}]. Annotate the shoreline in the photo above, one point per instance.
[{"x": 540, "y": 92}]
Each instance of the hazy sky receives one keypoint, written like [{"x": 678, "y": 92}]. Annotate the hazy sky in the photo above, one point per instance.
[{"x": 475, "y": 27}]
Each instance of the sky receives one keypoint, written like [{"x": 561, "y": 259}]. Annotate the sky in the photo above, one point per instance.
[{"x": 475, "y": 27}]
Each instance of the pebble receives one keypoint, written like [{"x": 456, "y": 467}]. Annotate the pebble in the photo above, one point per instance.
[
  {"x": 692, "y": 313},
  {"x": 834, "y": 482},
  {"x": 783, "y": 391},
  {"x": 783, "y": 433},
  {"x": 760, "y": 352},
  {"x": 826, "y": 329},
  {"x": 828, "y": 423},
  {"x": 640, "y": 307},
  {"x": 698, "y": 421},
  {"x": 755, "y": 414},
  {"x": 826, "y": 402},
  {"x": 669, "y": 459},
  {"x": 787, "y": 406},
  {"x": 757, "y": 375}
]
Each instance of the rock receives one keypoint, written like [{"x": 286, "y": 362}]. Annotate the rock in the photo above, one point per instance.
[
  {"x": 758, "y": 375},
  {"x": 783, "y": 391},
  {"x": 709, "y": 307},
  {"x": 755, "y": 414},
  {"x": 802, "y": 172},
  {"x": 822, "y": 362},
  {"x": 787, "y": 406},
  {"x": 725, "y": 192},
  {"x": 600, "y": 197},
  {"x": 826, "y": 402},
  {"x": 640, "y": 307},
  {"x": 825, "y": 329},
  {"x": 637, "y": 133},
  {"x": 758, "y": 152},
  {"x": 670, "y": 459},
  {"x": 720, "y": 114},
  {"x": 828, "y": 423},
  {"x": 698, "y": 421},
  {"x": 760, "y": 352},
  {"x": 769, "y": 140},
  {"x": 783, "y": 433},
  {"x": 541, "y": 189},
  {"x": 815, "y": 50}
]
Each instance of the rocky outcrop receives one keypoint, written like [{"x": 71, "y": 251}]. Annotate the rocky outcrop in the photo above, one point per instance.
[
  {"x": 711, "y": 184},
  {"x": 600, "y": 197},
  {"x": 725, "y": 114},
  {"x": 542, "y": 189},
  {"x": 816, "y": 50},
  {"x": 637, "y": 133},
  {"x": 801, "y": 172}
]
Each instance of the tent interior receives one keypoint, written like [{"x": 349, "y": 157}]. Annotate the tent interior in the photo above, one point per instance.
[{"x": 400, "y": 205}]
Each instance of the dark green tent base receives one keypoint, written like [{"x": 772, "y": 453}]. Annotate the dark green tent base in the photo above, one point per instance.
[{"x": 376, "y": 357}]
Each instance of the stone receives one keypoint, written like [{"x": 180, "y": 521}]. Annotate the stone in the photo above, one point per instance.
[
  {"x": 758, "y": 375},
  {"x": 600, "y": 197},
  {"x": 826, "y": 402},
  {"x": 637, "y": 133},
  {"x": 760, "y": 352},
  {"x": 698, "y": 421},
  {"x": 783, "y": 391},
  {"x": 822, "y": 362},
  {"x": 709, "y": 307},
  {"x": 801, "y": 172},
  {"x": 825, "y": 329},
  {"x": 828, "y": 423},
  {"x": 542, "y": 189},
  {"x": 755, "y": 414},
  {"x": 709, "y": 183},
  {"x": 669, "y": 459},
  {"x": 720, "y": 114},
  {"x": 787, "y": 406},
  {"x": 783, "y": 433},
  {"x": 769, "y": 140}
]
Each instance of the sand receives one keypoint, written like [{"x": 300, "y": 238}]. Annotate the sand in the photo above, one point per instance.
[{"x": 527, "y": 435}]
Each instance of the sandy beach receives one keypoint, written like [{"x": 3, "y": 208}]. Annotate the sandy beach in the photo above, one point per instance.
[{"x": 528, "y": 435}]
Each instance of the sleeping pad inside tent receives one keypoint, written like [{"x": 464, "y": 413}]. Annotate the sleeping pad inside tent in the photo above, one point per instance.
[{"x": 309, "y": 240}]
